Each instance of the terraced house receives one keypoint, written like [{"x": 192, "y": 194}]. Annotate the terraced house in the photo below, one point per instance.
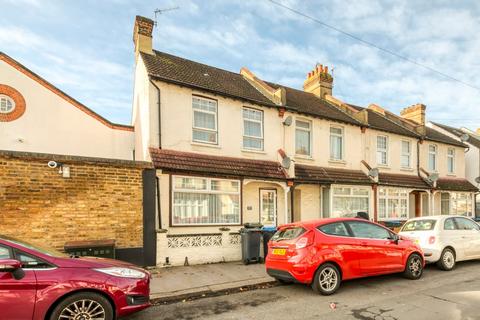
[{"x": 230, "y": 148}]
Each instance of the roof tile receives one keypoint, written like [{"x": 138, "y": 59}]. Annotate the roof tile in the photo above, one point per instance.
[{"x": 330, "y": 175}]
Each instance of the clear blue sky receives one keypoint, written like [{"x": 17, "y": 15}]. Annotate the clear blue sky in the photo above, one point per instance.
[{"x": 85, "y": 47}]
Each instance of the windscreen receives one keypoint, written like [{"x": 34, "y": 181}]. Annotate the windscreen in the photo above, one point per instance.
[
  {"x": 288, "y": 233},
  {"x": 419, "y": 225}
]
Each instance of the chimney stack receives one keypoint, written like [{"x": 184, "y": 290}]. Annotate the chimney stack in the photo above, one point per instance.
[
  {"x": 319, "y": 82},
  {"x": 142, "y": 35},
  {"x": 415, "y": 113}
]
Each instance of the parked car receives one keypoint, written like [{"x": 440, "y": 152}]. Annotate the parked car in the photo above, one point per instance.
[
  {"x": 44, "y": 284},
  {"x": 324, "y": 252},
  {"x": 445, "y": 239}
]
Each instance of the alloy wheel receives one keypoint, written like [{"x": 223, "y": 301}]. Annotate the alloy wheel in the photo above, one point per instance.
[
  {"x": 83, "y": 310},
  {"x": 415, "y": 266},
  {"x": 328, "y": 279}
]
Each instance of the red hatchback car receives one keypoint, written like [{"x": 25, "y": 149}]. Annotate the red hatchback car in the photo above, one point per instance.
[
  {"x": 43, "y": 284},
  {"x": 322, "y": 253}
]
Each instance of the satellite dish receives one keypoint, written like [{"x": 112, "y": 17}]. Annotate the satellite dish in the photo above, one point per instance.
[
  {"x": 464, "y": 137},
  {"x": 288, "y": 121},
  {"x": 373, "y": 172},
  {"x": 433, "y": 177},
  {"x": 477, "y": 179},
  {"x": 286, "y": 162}
]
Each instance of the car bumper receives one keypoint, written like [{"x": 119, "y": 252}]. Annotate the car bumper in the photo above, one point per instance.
[
  {"x": 130, "y": 295},
  {"x": 431, "y": 255},
  {"x": 289, "y": 270}
]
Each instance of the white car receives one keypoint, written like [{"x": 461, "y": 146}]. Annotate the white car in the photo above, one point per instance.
[{"x": 445, "y": 239}]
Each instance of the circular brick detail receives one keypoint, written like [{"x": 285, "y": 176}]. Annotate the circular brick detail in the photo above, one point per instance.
[{"x": 17, "y": 97}]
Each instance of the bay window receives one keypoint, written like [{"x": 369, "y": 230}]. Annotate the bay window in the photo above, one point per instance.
[
  {"x": 432, "y": 157},
  {"x": 349, "y": 200},
  {"x": 336, "y": 143},
  {"x": 451, "y": 160},
  {"x": 205, "y": 201},
  {"x": 204, "y": 120},
  {"x": 303, "y": 136},
  {"x": 382, "y": 150},
  {"x": 252, "y": 129},
  {"x": 406, "y": 154},
  {"x": 392, "y": 204}
]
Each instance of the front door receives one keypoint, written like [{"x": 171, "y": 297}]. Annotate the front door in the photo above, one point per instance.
[
  {"x": 268, "y": 207},
  {"x": 425, "y": 210},
  {"x": 17, "y": 297}
]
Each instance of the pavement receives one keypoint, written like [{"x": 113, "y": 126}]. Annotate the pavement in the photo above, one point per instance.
[
  {"x": 437, "y": 295},
  {"x": 179, "y": 283}
]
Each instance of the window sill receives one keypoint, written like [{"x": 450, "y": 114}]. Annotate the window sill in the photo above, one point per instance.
[
  {"x": 208, "y": 145},
  {"x": 253, "y": 151},
  {"x": 342, "y": 162},
  {"x": 384, "y": 166},
  {"x": 301, "y": 157},
  {"x": 407, "y": 169},
  {"x": 451, "y": 174}
]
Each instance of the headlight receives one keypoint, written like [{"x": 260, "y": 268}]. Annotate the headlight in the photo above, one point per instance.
[{"x": 123, "y": 272}]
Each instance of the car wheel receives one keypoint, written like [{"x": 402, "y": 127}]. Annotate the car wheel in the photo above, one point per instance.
[
  {"x": 327, "y": 279},
  {"x": 85, "y": 305},
  {"x": 447, "y": 260},
  {"x": 414, "y": 267}
]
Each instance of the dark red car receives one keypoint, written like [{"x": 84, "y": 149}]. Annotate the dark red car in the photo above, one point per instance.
[
  {"x": 322, "y": 253},
  {"x": 43, "y": 284}
]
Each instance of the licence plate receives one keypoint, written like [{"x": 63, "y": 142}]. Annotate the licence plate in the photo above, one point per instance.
[{"x": 279, "y": 252}]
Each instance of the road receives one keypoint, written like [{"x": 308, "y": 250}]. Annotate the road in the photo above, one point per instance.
[{"x": 438, "y": 295}]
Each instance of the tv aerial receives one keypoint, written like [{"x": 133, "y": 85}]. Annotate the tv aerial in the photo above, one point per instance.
[{"x": 161, "y": 11}]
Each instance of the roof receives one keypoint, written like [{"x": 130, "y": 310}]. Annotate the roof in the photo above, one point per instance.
[
  {"x": 455, "y": 184},
  {"x": 437, "y": 136},
  {"x": 326, "y": 175},
  {"x": 173, "y": 69},
  {"x": 458, "y": 132},
  {"x": 20, "y": 67},
  {"x": 308, "y": 103},
  {"x": 402, "y": 180},
  {"x": 189, "y": 162}
]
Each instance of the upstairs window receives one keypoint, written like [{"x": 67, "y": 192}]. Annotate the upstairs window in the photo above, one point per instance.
[
  {"x": 252, "y": 129},
  {"x": 303, "y": 134},
  {"x": 204, "y": 120},
  {"x": 432, "y": 157},
  {"x": 451, "y": 160},
  {"x": 382, "y": 150},
  {"x": 406, "y": 154},
  {"x": 336, "y": 143},
  {"x": 6, "y": 104}
]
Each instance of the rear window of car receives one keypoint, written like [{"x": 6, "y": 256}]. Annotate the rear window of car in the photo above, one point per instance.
[
  {"x": 335, "y": 229},
  {"x": 288, "y": 233},
  {"x": 419, "y": 225}
]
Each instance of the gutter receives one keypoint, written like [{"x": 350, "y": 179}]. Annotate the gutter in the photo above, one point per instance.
[{"x": 159, "y": 115}]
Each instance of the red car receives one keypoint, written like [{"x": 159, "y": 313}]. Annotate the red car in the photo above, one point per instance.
[
  {"x": 43, "y": 284},
  {"x": 324, "y": 252}
]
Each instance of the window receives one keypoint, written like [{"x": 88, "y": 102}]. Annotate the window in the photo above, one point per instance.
[
  {"x": 451, "y": 160},
  {"x": 444, "y": 203},
  {"x": 288, "y": 233},
  {"x": 368, "y": 230},
  {"x": 419, "y": 225},
  {"x": 204, "y": 201},
  {"x": 392, "y": 204},
  {"x": 4, "y": 252},
  {"x": 30, "y": 262},
  {"x": 268, "y": 207},
  {"x": 335, "y": 229},
  {"x": 461, "y": 204},
  {"x": 406, "y": 154},
  {"x": 349, "y": 200},
  {"x": 252, "y": 129},
  {"x": 303, "y": 136},
  {"x": 432, "y": 157},
  {"x": 382, "y": 150},
  {"x": 449, "y": 224},
  {"x": 6, "y": 104},
  {"x": 204, "y": 120},
  {"x": 336, "y": 143},
  {"x": 466, "y": 224}
]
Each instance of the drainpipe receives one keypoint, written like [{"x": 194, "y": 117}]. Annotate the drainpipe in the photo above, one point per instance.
[
  {"x": 159, "y": 115},
  {"x": 158, "y": 203}
]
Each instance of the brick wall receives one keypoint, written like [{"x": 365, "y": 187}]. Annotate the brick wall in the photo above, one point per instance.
[{"x": 101, "y": 200}]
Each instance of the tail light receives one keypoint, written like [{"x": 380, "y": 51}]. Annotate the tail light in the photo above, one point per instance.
[
  {"x": 305, "y": 241},
  {"x": 431, "y": 240}
]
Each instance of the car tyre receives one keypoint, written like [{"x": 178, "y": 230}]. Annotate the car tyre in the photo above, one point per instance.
[
  {"x": 447, "y": 260},
  {"x": 88, "y": 304},
  {"x": 414, "y": 267},
  {"x": 327, "y": 279}
]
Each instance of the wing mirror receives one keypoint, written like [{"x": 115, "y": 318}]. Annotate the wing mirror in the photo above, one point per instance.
[
  {"x": 395, "y": 238},
  {"x": 12, "y": 266}
]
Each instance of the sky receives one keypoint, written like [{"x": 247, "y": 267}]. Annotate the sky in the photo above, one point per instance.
[{"x": 85, "y": 48}]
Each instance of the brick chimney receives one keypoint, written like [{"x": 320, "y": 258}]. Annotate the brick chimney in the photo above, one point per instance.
[
  {"x": 415, "y": 113},
  {"x": 319, "y": 81},
  {"x": 142, "y": 35}
]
